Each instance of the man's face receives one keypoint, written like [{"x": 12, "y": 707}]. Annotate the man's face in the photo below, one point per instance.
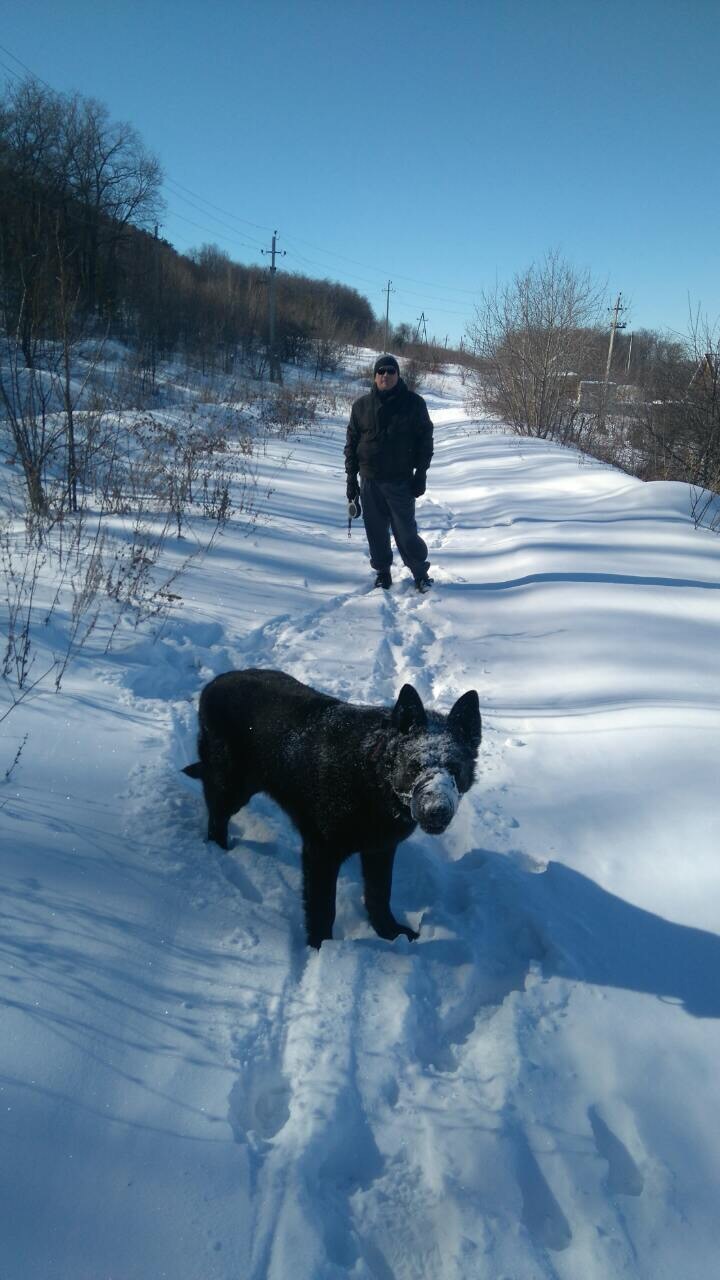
[{"x": 386, "y": 379}]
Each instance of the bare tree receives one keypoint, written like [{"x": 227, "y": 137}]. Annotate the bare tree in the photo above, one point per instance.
[
  {"x": 533, "y": 338},
  {"x": 702, "y": 400},
  {"x": 26, "y": 402},
  {"x": 680, "y": 423},
  {"x": 113, "y": 181},
  {"x": 72, "y": 181}
]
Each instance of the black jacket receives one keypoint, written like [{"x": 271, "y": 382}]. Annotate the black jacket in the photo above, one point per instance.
[{"x": 389, "y": 436}]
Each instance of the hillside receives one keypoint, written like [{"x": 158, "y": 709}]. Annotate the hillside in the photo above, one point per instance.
[{"x": 528, "y": 1091}]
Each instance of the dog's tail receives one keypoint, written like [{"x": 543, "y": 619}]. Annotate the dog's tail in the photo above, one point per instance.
[{"x": 194, "y": 770}]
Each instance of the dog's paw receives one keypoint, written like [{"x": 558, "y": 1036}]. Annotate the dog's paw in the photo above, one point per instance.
[
  {"x": 315, "y": 940},
  {"x": 397, "y": 930},
  {"x": 406, "y": 932}
]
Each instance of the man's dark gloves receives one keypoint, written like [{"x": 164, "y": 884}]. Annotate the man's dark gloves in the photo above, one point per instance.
[
  {"x": 353, "y": 488},
  {"x": 417, "y": 484}
]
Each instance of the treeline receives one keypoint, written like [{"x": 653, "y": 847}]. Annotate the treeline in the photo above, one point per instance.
[
  {"x": 80, "y": 203},
  {"x": 542, "y": 353}
]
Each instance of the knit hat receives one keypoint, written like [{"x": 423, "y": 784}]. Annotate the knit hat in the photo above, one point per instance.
[{"x": 386, "y": 362}]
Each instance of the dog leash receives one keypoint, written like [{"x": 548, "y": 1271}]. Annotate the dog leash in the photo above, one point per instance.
[{"x": 354, "y": 511}]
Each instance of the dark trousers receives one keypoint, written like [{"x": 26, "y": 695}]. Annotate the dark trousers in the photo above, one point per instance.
[{"x": 386, "y": 505}]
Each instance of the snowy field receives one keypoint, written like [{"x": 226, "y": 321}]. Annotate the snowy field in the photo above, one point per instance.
[{"x": 531, "y": 1090}]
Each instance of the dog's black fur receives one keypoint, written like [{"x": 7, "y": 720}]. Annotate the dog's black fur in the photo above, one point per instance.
[{"x": 352, "y": 779}]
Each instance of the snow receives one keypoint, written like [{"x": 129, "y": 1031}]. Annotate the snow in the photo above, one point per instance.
[{"x": 529, "y": 1090}]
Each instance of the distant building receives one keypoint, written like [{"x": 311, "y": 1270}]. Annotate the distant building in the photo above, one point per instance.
[
  {"x": 622, "y": 398},
  {"x": 590, "y": 396},
  {"x": 628, "y": 394}
]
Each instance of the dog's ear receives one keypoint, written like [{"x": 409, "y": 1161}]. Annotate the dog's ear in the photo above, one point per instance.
[
  {"x": 193, "y": 770},
  {"x": 408, "y": 712},
  {"x": 464, "y": 719}
]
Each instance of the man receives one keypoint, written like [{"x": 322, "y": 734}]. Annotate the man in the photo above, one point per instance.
[{"x": 390, "y": 442}]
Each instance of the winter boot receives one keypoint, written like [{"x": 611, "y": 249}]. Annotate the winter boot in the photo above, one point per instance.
[
  {"x": 423, "y": 583},
  {"x": 384, "y": 579}
]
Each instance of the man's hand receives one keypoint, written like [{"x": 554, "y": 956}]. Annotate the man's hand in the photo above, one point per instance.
[
  {"x": 417, "y": 483},
  {"x": 353, "y": 488}
]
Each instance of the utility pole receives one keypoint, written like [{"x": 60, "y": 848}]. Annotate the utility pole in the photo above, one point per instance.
[
  {"x": 275, "y": 370},
  {"x": 422, "y": 321},
  {"x": 615, "y": 324},
  {"x": 155, "y": 308},
  {"x": 388, "y": 290}
]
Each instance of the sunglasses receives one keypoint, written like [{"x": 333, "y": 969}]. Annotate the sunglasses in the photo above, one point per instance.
[{"x": 386, "y": 372}]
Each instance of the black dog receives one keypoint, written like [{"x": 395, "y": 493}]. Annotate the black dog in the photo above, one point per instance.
[{"x": 352, "y": 779}]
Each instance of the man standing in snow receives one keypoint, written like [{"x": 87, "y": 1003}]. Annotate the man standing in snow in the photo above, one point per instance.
[{"x": 390, "y": 442}]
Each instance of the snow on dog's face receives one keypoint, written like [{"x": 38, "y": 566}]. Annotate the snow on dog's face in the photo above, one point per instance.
[{"x": 434, "y": 763}]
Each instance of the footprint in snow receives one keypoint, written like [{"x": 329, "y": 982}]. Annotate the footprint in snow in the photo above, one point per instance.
[
  {"x": 259, "y": 1102},
  {"x": 623, "y": 1177},
  {"x": 541, "y": 1214}
]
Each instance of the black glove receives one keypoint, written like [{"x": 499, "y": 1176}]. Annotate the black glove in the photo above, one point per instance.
[
  {"x": 353, "y": 488},
  {"x": 417, "y": 484}
]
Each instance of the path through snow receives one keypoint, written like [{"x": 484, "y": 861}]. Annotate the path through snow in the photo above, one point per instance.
[{"x": 529, "y": 1090}]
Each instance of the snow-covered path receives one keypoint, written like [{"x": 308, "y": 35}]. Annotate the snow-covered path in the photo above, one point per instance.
[{"x": 530, "y": 1089}]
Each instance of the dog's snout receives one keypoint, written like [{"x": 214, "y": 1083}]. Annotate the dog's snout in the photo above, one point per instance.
[{"x": 434, "y": 801}]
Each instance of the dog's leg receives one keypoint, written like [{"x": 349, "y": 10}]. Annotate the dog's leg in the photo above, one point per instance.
[
  {"x": 222, "y": 803},
  {"x": 320, "y": 873},
  {"x": 225, "y": 787},
  {"x": 219, "y": 814},
  {"x": 377, "y": 869},
  {"x": 218, "y": 832}
]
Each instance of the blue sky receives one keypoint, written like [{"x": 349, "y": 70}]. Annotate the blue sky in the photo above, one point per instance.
[{"x": 443, "y": 147}]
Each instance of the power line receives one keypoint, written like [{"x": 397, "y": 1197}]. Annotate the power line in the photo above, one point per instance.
[
  {"x": 290, "y": 240},
  {"x": 217, "y": 235},
  {"x": 236, "y": 216},
  {"x": 449, "y": 288},
  {"x": 204, "y": 212},
  {"x": 25, "y": 67},
  {"x": 401, "y": 293},
  {"x": 300, "y": 257},
  {"x": 11, "y": 71},
  {"x": 443, "y": 311}
]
